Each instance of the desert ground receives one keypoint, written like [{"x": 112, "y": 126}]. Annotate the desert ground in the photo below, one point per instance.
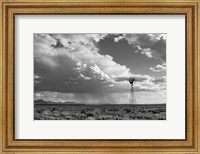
[{"x": 99, "y": 112}]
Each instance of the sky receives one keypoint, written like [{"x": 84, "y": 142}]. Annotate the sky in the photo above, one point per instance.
[{"x": 95, "y": 68}]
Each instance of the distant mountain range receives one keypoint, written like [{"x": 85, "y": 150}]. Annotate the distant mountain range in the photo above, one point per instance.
[{"x": 42, "y": 102}]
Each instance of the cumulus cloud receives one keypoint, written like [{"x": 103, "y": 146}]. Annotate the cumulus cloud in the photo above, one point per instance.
[
  {"x": 117, "y": 39},
  {"x": 151, "y": 45},
  {"x": 159, "y": 80},
  {"x": 158, "y": 68}
]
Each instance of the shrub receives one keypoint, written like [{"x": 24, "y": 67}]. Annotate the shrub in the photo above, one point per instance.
[
  {"x": 90, "y": 118},
  {"x": 46, "y": 112},
  {"x": 90, "y": 114}
]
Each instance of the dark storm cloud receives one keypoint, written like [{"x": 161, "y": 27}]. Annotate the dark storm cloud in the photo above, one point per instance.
[
  {"x": 69, "y": 77},
  {"x": 151, "y": 45},
  {"x": 54, "y": 78},
  {"x": 58, "y": 44},
  {"x": 74, "y": 65}
]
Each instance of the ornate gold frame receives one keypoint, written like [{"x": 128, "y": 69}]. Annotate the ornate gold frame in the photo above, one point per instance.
[{"x": 9, "y": 8}]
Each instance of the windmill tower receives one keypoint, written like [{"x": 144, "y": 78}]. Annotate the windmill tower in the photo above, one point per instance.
[{"x": 132, "y": 93}]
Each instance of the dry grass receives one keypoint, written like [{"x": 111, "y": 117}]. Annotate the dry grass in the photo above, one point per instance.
[{"x": 100, "y": 112}]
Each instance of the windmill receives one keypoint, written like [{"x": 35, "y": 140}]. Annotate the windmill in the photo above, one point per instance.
[{"x": 132, "y": 93}]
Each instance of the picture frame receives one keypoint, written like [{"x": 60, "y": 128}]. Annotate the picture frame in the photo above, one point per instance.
[{"x": 148, "y": 7}]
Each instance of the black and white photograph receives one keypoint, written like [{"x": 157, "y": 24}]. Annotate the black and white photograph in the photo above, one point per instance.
[{"x": 99, "y": 76}]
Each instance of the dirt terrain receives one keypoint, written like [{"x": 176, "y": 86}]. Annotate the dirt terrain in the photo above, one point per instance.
[{"x": 99, "y": 112}]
